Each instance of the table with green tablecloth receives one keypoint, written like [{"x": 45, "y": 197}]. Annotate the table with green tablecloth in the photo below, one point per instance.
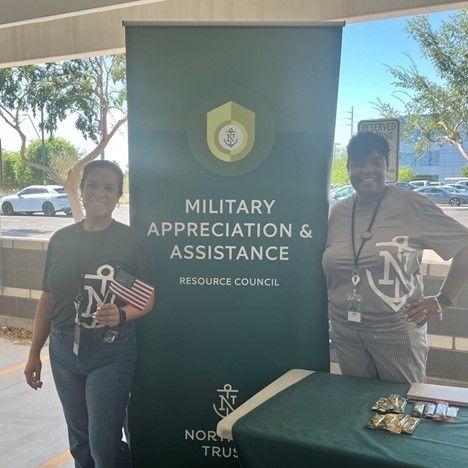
[{"x": 319, "y": 421}]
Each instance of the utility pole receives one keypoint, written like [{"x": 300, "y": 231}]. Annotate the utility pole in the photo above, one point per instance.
[
  {"x": 351, "y": 119},
  {"x": 335, "y": 151},
  {"x": 43, "y": 144}
]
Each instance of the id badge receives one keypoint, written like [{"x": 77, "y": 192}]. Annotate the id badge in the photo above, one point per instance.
[
  {"x": 76, "y": 339},
  {"x": 354, "y": 306}
]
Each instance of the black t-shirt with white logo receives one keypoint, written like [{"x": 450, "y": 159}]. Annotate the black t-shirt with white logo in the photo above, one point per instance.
[{"x": 80, "y": 265}]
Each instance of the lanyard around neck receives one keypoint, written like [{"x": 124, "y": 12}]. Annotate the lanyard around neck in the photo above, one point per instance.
[
  {"x": 365, "y": 235},
  {"x": 80, "y": 269}
]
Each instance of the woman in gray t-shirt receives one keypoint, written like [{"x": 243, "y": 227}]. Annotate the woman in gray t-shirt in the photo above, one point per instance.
[{"x": 372, "y": 261}]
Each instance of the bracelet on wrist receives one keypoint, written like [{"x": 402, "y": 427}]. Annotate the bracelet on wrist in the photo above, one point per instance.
[
  {"x": 122, "y": 315},
  {"x": 443, "y": 300}
]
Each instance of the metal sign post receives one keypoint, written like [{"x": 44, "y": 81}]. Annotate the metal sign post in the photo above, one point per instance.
[{"x": 390, "y": 130}]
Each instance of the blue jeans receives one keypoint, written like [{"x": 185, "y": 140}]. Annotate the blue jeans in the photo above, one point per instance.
[{"x": 94, "y": 389}]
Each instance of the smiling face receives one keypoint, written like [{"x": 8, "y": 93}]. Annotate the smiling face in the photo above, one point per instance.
[
  {"x": 100, "y": 192},
  {"x": 367, "y": 175}
]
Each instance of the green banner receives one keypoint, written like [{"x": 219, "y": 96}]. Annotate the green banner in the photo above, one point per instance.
[{"x": 231, "y": 134}]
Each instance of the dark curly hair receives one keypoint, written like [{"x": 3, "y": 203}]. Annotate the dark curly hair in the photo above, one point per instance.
[{"x": 363, "y": 144}]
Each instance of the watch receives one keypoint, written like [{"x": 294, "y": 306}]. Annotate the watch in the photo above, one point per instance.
[
  {"x": 122, "y": 315},
  {"x": 443, "y": 300}
]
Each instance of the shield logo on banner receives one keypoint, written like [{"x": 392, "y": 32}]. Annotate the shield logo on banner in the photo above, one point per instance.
[{"x": 230, "y": 131}]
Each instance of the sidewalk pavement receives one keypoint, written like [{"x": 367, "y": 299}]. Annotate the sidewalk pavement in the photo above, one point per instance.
[{"x": 33, "y": 429}]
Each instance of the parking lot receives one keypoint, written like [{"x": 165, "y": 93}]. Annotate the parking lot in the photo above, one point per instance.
[
  {"x": 42, "y": 227},
  {"x": 38, "y": 226}
]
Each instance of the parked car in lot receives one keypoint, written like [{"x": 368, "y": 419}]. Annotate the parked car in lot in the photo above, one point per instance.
[
  {"x": 419, "y": 183},
  {"x": 460, "y": 186},
  {"x": 340, "y": 193},
  {"x": 452, "y": 189},
  {"x": 457, "y": 181},
  {"x": 443, "y": 195},
  {"x": 404, "y": 185},
  {"x": 47, "y": 199}
]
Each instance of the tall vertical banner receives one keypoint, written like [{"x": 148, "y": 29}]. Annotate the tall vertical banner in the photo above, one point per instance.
[{"x": 231, "y": 134}]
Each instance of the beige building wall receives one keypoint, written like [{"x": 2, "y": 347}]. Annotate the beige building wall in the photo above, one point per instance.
[{"x": 100, "y": 31}]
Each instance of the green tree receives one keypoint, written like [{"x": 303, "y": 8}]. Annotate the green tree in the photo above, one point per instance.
[
  {"x": 27, "y": 92},
  {"x": 405, "y": 174},
  {"x": 15, "y": 174},
  {"x": 27, "y": 175},
  {"x": 59, "y": 154},
  {"x": 465, "y": 171},
  {"x": 90, "y": 89},
  {"x": 435, "y": 112},
  {"x": 8, "y": 171},
  {"x": 339, "y": 172}
]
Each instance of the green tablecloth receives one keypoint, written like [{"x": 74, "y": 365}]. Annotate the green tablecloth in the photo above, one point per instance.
[{"x": 319, "y": 422}]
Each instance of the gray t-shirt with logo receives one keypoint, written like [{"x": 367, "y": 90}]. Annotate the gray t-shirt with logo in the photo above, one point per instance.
[{"x": 406, "y": 224}]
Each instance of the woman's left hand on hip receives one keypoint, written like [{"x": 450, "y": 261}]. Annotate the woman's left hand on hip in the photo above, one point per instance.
[{"x": 421, "y": 311}]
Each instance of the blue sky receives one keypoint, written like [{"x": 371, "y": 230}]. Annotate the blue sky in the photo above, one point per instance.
[{"x": 366, "y": 48}]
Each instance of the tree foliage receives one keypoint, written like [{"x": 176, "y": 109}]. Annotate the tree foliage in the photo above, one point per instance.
[
  {"x": 405, "y": 174},
  {"x": 59, "y": 154},
  {"x": 339, "y": 173},
  {"x": 15, "y": 174},
  {"x": 25, "y": 92},
  {"x": 434, "y": 112},
  {"x": 90, "y": 89},
  {"x": 96, "y": 89}
]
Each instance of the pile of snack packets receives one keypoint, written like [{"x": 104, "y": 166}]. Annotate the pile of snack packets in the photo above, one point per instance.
[{"x": 389, "y": 414}]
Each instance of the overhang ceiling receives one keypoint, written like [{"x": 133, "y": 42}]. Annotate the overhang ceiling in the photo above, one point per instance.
[{"x": 47, "y": 30}]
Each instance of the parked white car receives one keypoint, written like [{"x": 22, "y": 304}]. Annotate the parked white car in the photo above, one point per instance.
[
  {"x": 419, "y": 183},
  {"x": 463, "y": 185},
  {"x": 47, "y": 199}
]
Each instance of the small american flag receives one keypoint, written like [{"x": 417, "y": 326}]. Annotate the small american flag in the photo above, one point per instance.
[{"x": 130, "y": 289}]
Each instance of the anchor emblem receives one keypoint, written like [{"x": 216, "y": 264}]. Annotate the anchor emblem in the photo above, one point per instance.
[
  {"x": 230, "y": 137},
  {"x": 227, "y": 399},
  {"x": 230, "y": 132},
  {"x": 399, "y": 266}
]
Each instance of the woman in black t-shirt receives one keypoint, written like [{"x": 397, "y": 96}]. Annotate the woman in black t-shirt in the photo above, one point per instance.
[{"x": 92, "y": 338}]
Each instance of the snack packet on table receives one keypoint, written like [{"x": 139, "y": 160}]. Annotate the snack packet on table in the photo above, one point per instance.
[
  {"x": 429, "y": 410},
  {"x": 397, "y": 403},
  {"x": 452, "y": 414},
  {"x": 376, "y": 421},
  {"x": 381, "y": 405},
  {"x": 409, "y": 424},
  {"x": 418, "y": 409},
  {"x": 440, "y": 411},
  {"x": 393, "y": 423}
]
